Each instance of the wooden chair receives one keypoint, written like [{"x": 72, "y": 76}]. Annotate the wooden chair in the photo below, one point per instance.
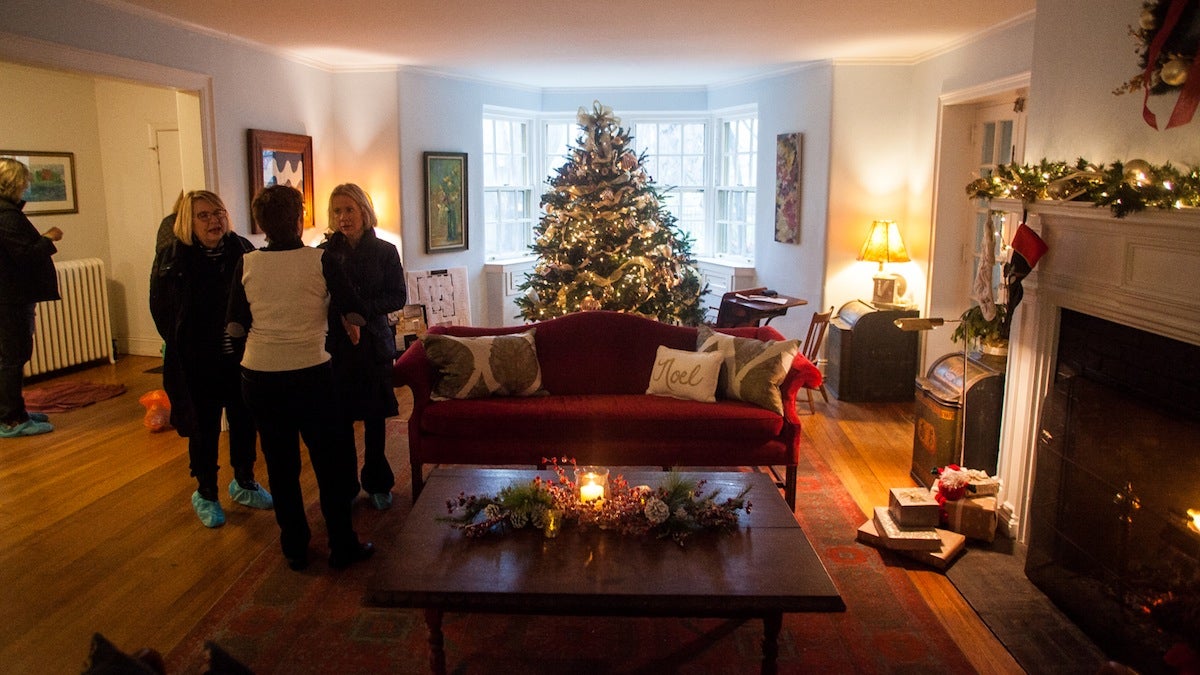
[
  {"x": 812, "y": 346},
  {"x": 730, "y": 315}
]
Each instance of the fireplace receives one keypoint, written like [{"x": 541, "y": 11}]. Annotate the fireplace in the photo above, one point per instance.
[{"x": 1112, "y": 540}]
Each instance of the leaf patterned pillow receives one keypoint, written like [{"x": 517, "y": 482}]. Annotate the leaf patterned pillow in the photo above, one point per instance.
[
  {"x": 477, "y": 367},
  {"x": 753, "y": 369}
]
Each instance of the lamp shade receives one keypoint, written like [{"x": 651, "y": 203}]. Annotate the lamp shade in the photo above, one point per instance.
[{"x": 884, "y": 244}]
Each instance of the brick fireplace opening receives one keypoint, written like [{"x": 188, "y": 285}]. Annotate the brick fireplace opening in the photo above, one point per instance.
[{"x": 1114, "y": 511}]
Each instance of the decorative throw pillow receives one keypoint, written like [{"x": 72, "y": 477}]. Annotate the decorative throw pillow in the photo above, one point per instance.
[
  {"x": 752, "y": 369},
  {"x": 687, "y": 375},
  {"x": 490, "y": 365}
]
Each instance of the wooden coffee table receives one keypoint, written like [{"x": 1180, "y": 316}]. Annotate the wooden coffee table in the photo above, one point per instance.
[{"x": 763, "y": 570}]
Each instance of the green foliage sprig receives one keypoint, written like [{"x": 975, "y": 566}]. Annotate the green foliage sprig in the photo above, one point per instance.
[{"x": 1124, "y": 187}]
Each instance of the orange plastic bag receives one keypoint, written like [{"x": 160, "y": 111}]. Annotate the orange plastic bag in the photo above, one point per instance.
[{"x": 158, "y": 410}]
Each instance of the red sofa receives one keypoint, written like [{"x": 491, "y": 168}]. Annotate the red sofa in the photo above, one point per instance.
[{"x": 596, "y": 367}]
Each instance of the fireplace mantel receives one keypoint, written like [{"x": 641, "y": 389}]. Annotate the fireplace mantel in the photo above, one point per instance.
[{"x": 1142, "y": 270}]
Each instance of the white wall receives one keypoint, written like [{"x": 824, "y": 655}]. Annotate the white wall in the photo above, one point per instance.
[
  {"x": 1082, "y": 51},
  {"x": 125, "y": 113},
  {"x": 56, "y": 112}
]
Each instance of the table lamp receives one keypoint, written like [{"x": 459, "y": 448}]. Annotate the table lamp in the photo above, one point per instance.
[{"x": 884, "y": 245}]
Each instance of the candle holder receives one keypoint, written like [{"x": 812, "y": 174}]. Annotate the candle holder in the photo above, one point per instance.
[{"x": 592, "y": 482}]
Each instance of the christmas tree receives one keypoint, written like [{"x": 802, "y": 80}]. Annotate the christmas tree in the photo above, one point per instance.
[{"x": 606, "y": 241}]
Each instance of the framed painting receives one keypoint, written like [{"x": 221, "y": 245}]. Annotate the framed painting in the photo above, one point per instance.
[
  {"x": 445, "y": 201},
  {"x": 276, "y": 158},
  {"x": 788, "y": 153},
  {"x": 52, "y": 188}
]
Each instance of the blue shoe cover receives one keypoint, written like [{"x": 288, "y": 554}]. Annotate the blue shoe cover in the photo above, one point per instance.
[
  {"x": 258, "y": 498},
  {"x": 382, "y": 501},
  {"x": 27, "y": 428},
  {"x": 210, "y": 513},
  {"x": 39, "y": 417}
]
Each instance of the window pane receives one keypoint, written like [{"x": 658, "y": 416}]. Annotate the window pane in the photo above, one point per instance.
[
  {"x": 670, "y": 139},
  {"x": 669, "y": 171},
  {"x": 988, "y": 155},
  {"x": 692, "y": 171},
  {"x": 646, "y": 137}
]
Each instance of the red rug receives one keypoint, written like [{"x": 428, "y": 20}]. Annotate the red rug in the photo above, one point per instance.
[
  {"x": 279, "y": 621},
  {"x": 68, "y": 395}
]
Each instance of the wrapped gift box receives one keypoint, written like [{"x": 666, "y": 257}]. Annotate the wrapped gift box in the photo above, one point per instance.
[
  {"x": 974, "y": 517},
  {"x": 900, "y": 539},
  {"x": 952, "y": 544},
  {"x": 983, "y": 487},
  {"x": 913, "y": 507}
]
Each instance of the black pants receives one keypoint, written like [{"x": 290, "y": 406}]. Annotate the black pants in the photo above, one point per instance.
[
  {"x": 377, "y": 475},
  {"x": 16, "y": 346},
  {"x": 217, "y": 390},
  {"x": 299, "y": 404}
]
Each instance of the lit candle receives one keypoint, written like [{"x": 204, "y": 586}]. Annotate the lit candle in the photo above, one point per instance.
[
  {"x": 591, "y": 482},
  {"x": 1194, "y": 514},
  {"x": 591, "y": 492}
]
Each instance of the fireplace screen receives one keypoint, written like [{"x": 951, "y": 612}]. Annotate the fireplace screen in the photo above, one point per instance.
[{"x": 1113, "y": 540}]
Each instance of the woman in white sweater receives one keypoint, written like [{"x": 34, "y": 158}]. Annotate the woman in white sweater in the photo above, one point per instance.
[{"x": 281, "y": 300}]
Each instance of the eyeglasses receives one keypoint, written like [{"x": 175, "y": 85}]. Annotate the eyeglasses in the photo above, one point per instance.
[{"x": 207, "y": 216}]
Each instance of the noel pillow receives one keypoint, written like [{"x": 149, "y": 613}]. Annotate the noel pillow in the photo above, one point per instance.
[
  {"x": 688, "y": 375},
  {"x": 477, "y": 367},
  {"x": 752, "y": 370}
]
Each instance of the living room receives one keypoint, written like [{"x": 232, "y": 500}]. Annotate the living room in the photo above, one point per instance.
[{"x": 872, "y": 137}]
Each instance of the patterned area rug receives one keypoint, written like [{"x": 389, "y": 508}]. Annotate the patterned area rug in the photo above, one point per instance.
[{"x": 279, "y": 621}]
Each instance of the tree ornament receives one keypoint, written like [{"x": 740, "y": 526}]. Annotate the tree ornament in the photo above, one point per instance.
[
  {"x": 1175, "y": 71},
  {"x": 1147, "y": 20},
  {"x": 1137, "y": 171}
]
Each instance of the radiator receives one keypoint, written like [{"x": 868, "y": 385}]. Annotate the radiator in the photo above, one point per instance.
[{"x": 75, "y": 329}]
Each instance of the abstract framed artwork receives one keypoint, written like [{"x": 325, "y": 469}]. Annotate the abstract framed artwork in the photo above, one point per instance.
[
  {"x": 788, "y": 174},
  {"x": 277, "y": 158},
  {"x": 445, "y": 201},
  {"x": 52, "y": 187}
]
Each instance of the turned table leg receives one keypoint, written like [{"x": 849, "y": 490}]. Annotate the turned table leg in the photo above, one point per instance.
[{"x": 437, "y": 642}]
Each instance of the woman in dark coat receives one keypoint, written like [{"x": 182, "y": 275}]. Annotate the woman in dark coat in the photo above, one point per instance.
[
  {"x": 363, "y": 372},
  {"x": 189, "y": 295},
  {"x": 27, "y": 277}
]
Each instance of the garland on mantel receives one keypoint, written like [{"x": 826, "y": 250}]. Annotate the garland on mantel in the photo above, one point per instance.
[{"x": 1124, "y": 187}]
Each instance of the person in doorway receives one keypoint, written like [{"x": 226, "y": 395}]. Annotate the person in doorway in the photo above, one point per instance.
[
  {"x": 282, "y": 300},
  {"x": 27, "y": 277},
  {"x": 363, "y": 372},
  {"x": 189, "y": 294}
]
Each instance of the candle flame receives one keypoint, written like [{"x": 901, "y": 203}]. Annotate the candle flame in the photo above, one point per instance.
[{"x": 1194, "y": 515}]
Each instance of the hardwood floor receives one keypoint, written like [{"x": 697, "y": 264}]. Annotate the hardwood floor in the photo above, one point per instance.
[{"x": 99, "y": 534}]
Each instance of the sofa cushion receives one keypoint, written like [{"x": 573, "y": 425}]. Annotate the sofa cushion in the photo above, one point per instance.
[
  {"x": 685, "y": 374},
  {"x": 752, "y": 369},
  {"x": 475, "y": 367},
  {"x": 611, "y": 418}
]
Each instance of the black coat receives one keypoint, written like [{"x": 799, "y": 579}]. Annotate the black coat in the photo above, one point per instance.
[
  {"x": 364, "y": 370},
  {"x": 189, "y": 296},
  {"x": 27, "y": 274}
]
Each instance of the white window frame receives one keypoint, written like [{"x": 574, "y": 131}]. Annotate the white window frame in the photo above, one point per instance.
[
  {"x": 733, "y": 230},
  {"x": 706, "y": 242},
  {"x": 497, "y": 229}
]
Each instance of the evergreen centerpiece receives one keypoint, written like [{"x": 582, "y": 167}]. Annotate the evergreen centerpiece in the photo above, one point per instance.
[
  {"x": 676, "y": 509},
  {"x": 606, "y": 241}
]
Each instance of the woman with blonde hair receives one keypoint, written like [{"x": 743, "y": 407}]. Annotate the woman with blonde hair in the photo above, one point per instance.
[
  {"x": 27, "y": 277},
  {"x": 363, "y": 371},
  {"x": 189, "y": 295}
]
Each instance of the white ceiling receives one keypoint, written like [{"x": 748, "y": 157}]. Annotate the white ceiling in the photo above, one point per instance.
[{"x": 606, "y": 43}]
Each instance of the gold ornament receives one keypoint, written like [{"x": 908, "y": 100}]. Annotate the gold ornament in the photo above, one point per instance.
[
  {"x": 1175, "y": 71},
  {"x": 1137, "y": 171},
  {"x": 1146, "y": 21}
]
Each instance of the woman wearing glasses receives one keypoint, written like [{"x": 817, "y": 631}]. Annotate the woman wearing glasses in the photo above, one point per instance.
[{"x": 189, "y": 295}]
